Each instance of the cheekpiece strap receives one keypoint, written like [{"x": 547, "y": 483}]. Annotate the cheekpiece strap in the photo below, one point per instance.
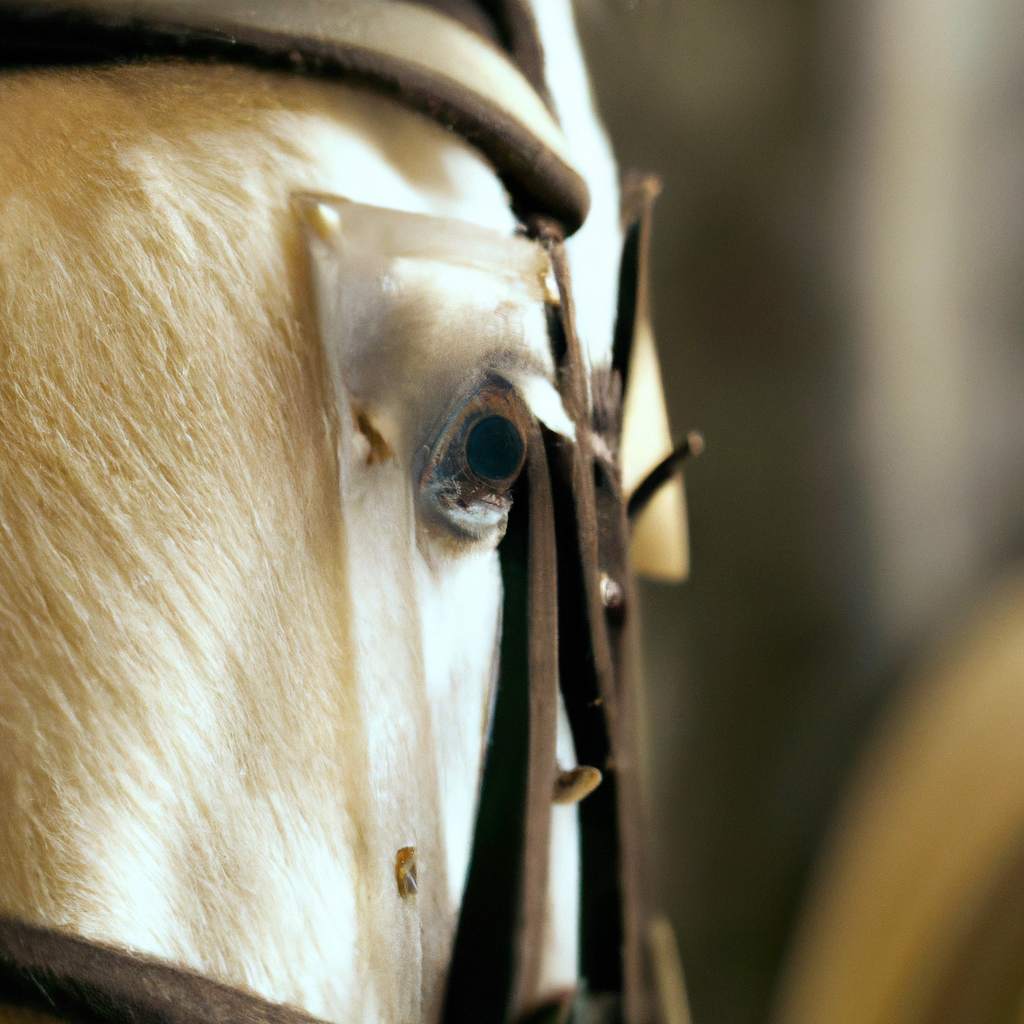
[
  {"x": 597, "y": 634},
  {"x": 542, "y": 612}
]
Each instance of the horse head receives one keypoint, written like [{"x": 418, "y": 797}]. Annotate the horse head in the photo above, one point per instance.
[{"x": 278, "y": 377}]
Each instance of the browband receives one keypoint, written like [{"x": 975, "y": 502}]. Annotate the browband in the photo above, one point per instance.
[{"x": 419, "y": 57}]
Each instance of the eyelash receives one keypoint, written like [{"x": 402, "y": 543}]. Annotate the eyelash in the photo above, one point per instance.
[{"x": 472, "y": 466}]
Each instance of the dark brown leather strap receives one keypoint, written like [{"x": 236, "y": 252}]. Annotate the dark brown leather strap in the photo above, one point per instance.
[
  {"x": 639, "y": 191},
  {"x": 498, "y": 952},
  {"x": 601, "y": 545},
  {"x": 85, "y": 982},
  {"x": 543, "y": 643}
]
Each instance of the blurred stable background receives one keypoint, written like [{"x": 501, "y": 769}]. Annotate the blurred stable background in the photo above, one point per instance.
[{"x": 838, "y": 288}]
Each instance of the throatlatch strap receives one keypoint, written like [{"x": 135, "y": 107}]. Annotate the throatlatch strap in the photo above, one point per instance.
[{"x": 85, "y": 982}]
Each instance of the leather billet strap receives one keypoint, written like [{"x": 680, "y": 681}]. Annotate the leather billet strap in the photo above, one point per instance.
[{"x": 407, "y": 51}]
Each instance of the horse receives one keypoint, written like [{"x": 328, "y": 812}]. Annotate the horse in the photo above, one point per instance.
[{"x": 286, "y": 327}]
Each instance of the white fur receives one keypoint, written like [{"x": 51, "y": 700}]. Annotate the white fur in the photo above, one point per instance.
[{"x": 594, "y": 250}]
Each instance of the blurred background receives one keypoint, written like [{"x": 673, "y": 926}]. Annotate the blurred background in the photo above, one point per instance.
[{"x": 838, "y": 289}]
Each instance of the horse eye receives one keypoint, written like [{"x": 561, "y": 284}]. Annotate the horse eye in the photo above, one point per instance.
[
  {"x": 470, "y": 470},
  {"x": 494, "y": 448}
]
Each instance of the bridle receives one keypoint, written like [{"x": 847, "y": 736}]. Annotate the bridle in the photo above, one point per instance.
[{"x": 567, "y": 620}]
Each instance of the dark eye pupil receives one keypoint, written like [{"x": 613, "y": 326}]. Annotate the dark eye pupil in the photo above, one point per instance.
[{"x": 494, "y": 448}]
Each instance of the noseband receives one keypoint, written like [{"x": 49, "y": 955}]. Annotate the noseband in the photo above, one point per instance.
[{"x": 568, "y": 617}]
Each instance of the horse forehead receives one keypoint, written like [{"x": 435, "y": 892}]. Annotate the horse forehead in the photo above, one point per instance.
[{"x": 173, "y": 126}]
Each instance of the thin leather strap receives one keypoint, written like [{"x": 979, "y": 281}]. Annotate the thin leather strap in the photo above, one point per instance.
[
  {"x": 691, "y": 445},
  {"x": 601, "y": 903},
  {"x": 497, "y": 955},
  {"x": 86, "y": 982},
  {"x": 639, "y": 191},
  {"x": 602, "y": 539},
  {"x": 543, "y": 645},
  {"x": 480, "y": 980}
]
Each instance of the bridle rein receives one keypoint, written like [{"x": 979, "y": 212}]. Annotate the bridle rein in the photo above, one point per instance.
[{"x": 568, "y": 621}]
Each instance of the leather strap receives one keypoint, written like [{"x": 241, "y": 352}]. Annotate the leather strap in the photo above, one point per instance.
[
  {"x": 590, "y": 472},
  {"x": 496, "y": 961},
  {"x": 86, "y": 982},
  {"x": 423, "y": 59},
  {"x": 543, "y": 641},
  {"x": 639, "y": 191},
  {"x": 483, "y": 966}
]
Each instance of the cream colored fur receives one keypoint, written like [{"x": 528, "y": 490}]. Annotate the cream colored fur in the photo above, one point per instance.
[{"x": 224, "y": 705}]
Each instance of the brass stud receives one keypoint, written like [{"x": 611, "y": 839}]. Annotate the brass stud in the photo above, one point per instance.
[
  {"x": 405, "y": 872},
  {"x": 573, "y": 785}
]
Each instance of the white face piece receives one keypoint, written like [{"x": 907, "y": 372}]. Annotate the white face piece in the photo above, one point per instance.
[{"x": 435, "y": 337}]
